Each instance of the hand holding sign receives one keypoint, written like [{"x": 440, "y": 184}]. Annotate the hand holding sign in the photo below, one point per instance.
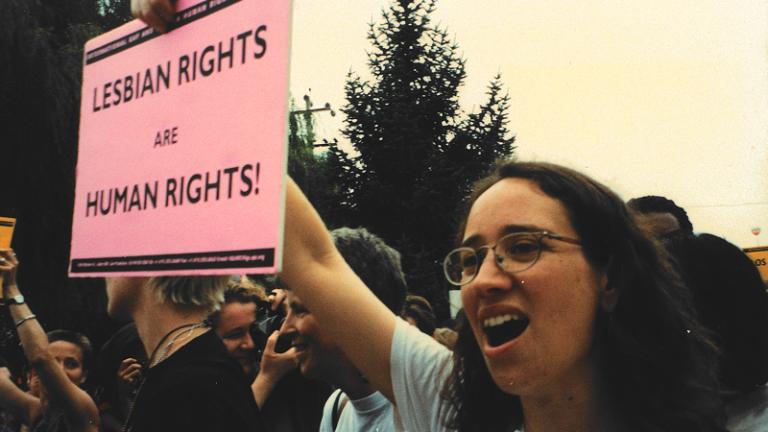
[{"x": 156, "y": 13}]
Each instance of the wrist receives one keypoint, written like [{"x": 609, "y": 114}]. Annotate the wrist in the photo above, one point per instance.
[
  {"x": 12, "y": 299},
  {"x": 11, "y": 290},
  {"x": 266, "y": 379}
]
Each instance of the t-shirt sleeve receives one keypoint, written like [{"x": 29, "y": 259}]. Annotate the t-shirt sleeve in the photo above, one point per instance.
[{"x": 420, "y": 368}]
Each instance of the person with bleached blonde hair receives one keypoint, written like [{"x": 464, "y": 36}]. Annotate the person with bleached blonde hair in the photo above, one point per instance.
[{"x": 190, "y": 382}]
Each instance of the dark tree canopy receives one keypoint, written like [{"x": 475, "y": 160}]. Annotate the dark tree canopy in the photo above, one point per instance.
[
  {"x": 414, "y": 152},
  {"x": 41, "y": 44}
]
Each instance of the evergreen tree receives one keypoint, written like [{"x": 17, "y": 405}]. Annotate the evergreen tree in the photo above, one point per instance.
[{"x": 414, "y": 156}]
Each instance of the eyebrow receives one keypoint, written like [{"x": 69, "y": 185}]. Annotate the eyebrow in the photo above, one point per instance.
[
  {"x": 238, "y": 331},
  {"x": 474, "y": 239}
]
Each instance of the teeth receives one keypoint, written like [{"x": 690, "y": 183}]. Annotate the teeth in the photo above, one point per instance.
[{"x": 501, "y": 319}]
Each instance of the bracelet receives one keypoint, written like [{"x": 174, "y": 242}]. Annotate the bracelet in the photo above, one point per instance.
[{"x": 25, "y": 319}]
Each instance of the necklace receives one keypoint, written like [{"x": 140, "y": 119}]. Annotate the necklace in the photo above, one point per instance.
[{"x": 152, "y": 362}]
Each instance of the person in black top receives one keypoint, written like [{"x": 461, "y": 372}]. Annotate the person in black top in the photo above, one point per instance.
[{"x": 190, "y": 383}]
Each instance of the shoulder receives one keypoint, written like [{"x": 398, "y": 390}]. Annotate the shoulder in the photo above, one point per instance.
[
  {"x": 420, "y": 367},
  {"x": 199, "y": 386},
  {"x": 409, "y": 345}
]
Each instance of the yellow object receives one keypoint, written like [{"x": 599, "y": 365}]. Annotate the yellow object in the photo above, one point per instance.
[
  {"x": 6, "y": 231},
  {"x": 759, "y": 256}
]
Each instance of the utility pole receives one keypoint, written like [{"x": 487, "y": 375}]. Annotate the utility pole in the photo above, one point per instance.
[{"x": 307, "y": 114}]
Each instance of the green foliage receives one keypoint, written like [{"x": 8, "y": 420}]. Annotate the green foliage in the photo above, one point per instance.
[{"x": 415, "y": 155}]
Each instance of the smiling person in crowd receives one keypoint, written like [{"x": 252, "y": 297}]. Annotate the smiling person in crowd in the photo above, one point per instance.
[
  {"x": 356, "y": 406},
  {"x": 236, "y": 319},
  {"x": 59, "y": 362}
]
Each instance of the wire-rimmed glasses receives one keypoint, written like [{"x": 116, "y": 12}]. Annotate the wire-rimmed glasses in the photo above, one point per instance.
[{"x": 513, "y": 252}]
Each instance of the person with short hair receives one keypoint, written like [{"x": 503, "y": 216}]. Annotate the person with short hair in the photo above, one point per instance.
[
  {"x": 660, "y": 215},
  {"x": 355, "y": 406},
  {"x": 60, "y": 360},
  {"x": 191, "y": 383}
]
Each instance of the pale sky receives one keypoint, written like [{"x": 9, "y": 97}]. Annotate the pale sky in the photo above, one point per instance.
[{"x": 652, "y": 97}]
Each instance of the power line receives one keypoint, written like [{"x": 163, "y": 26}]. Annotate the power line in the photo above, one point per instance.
[{"x": 727, "y": 205}]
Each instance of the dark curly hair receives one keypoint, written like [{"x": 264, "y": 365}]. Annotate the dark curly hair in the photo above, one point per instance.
[
  {"x": 660, "y": 204},
  {"x": 657, "y": 362}
]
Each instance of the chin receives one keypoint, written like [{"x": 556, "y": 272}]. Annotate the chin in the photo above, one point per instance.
[
  {"x": 115, "y": 312},
  {"x": 514, "y": 379},
  {"x": 120, "y": 293},
  {"x": 306, "y": 370},
  {"x": 247, "y": 367}
]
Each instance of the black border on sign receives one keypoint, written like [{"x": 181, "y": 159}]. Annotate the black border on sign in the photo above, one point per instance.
[
  {"x": 185, "y": 261},
  {"x": 756, "y": 249},
  {"x": 6, "y": 224},
  {"x": 182, "y": 18}
]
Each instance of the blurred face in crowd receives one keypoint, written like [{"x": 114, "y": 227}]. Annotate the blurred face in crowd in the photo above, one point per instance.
[
  {"x": 122, "y": 293},
  {"x": 319, "y": 357},
  {"x": 534, "y": 327},
  {"x": 70, "y": 357},
  {"x": 234, "y": 329}
]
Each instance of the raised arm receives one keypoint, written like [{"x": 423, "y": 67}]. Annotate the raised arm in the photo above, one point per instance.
[
  {"x": 79, "y": 409},
  {"x": 22, "y": 405},
  {"x": 312, "y": 267}
]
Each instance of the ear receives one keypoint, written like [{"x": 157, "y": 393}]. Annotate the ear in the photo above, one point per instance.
[{"x": 609, "y": 295}]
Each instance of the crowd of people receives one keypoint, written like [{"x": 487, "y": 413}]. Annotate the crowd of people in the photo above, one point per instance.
[
  {"x": 592, "y": 315},
  {"x": 580, "y": 312}
]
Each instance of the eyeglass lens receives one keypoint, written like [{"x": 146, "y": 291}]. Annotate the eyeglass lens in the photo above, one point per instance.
[{"x": 514, "y": 252}]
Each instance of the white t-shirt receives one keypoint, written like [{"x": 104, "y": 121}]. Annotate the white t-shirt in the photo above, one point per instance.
[
  {"x": 749, "y": 413},
  {"x": 372, "y": 413},
  {"x": 420, "y": 367}
]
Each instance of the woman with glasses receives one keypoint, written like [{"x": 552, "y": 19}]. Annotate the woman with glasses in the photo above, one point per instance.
[{"x": 574, "y": 319}]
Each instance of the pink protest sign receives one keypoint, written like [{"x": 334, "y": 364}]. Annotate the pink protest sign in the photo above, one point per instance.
[{"x": 181, "y": 165}]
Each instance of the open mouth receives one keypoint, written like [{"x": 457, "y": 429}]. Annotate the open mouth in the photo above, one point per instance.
[{"x": 504, "y": 328}]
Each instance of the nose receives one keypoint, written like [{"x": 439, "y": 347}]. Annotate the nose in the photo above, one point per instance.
[
  {"x": 490, "y": 277},
  {"x": 247, "y": 343},
  {"x": 289, "y": 324}
]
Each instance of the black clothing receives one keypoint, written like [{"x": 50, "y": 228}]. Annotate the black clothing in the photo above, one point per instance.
[
  {"x": 52, "y": 421},
  {"x": 199, "y": 388}
]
